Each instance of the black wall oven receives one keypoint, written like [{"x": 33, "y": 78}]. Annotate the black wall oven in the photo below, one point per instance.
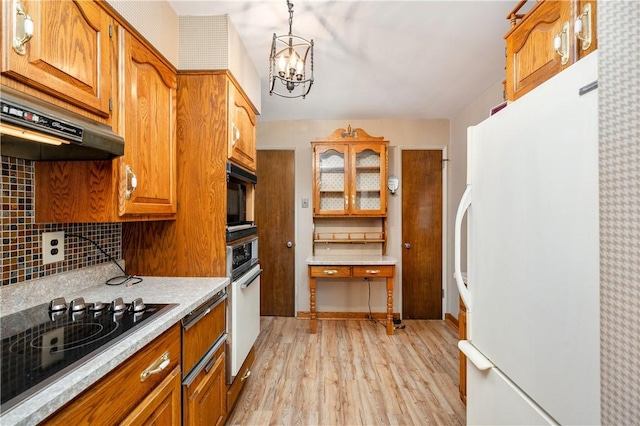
[{"x": 240, "y": 185}]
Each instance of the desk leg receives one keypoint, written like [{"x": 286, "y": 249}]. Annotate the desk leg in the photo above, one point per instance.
[
  {"x": 312, "y": 305},
  {"x": 390, "y": 305}
]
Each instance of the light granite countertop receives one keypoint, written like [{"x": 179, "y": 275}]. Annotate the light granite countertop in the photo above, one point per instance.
[
  {"x": 188, "y": 293},
  {"x": 350, "y": 260}
]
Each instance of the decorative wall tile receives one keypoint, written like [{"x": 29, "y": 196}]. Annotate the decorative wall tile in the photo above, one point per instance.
[{"x": 21, "y": 236}]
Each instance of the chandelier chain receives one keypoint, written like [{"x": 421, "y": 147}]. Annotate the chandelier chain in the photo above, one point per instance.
[{"x": 290, "y": 5}]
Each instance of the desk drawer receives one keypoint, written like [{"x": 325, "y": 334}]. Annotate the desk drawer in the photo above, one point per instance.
[
  {"x": 329, "y": 271},
  {"x": 373, "y": 271}
]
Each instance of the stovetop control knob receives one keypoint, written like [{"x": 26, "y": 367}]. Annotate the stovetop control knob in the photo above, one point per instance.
[
  {"x": 96, "y": 306},
  {"x": 118, "y": 305},
  {"x": 58, "y": 304},
  {"x": 77, "y": 305},
  {"x": 138, "y": 305}
]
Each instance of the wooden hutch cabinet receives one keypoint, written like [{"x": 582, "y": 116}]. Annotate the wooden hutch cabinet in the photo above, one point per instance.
[
  {"x": 350, "y": 174},
  {"x": 551, "y": 36}
]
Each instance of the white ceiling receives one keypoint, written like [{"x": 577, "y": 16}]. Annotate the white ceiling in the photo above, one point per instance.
[{"x": 375, "y": 59}]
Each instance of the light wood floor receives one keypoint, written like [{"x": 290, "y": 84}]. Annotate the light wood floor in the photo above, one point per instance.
[{"x": 352, "y": 373}]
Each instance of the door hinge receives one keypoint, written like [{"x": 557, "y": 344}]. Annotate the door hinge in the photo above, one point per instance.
[
  {"x": 444, "y": 160},
  {"x": 110, "y": 104},
  {"x": 110, "y": 30},
  {"x": 442, "y": 292}
]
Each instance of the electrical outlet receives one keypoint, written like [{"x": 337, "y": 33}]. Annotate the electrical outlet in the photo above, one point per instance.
[
  {"x": 52, "y": 247},
  {"x": 305, "y": 203}
]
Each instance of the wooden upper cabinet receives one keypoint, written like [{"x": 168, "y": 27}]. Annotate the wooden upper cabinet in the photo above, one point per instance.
[
  {"x": 241, "y": 129},
  {"x": 141, "y": 184},
  {"x": 545, "y": 41},
  {"x": 147, "y": 122},
  {"x": 350, "y": 175},
  {"x": 69, "y": 55}
]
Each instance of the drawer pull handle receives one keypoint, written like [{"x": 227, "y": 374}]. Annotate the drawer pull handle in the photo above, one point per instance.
[
  {"x": 330, "y": 271},
  {"x": 372, "y": 271},
  {"x": 246, "y": 376},
  {"x": 157, "y": 366},
  {"x": 561, "y": 44},
  {"x": 22, "y": 28}
]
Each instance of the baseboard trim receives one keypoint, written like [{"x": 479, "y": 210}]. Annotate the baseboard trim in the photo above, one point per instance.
[
  {"x": 346, "y": 315},
  {"x": 451, "y": 320}
]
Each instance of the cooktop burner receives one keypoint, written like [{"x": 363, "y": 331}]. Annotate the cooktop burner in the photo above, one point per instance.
[{"x": 41, "y": 344}]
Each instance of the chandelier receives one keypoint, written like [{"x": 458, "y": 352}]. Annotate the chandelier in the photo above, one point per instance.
[{"x": 290, "y": 57}]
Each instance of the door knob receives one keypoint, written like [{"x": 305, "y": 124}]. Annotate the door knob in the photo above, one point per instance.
[
  {"x": 407, "y": 245},
  {"x": 289, "y": 244}
]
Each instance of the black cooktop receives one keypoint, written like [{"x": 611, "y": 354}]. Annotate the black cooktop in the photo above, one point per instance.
[{"x": 41, "y": 344}]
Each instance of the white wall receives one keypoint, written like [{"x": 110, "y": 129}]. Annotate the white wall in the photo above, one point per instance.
[
  {"x": 470, "y": 115},
  {"x": 297, "y": 135}
]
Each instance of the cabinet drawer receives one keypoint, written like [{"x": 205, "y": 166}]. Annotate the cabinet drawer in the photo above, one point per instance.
[
  {"x": 113, "y": 397},
  {"x": 329, "y": 271},
  {"x": 200, "y": 335},
  {"x": 373, "y": 271}
]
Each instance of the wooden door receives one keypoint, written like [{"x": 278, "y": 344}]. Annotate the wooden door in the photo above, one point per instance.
[
  {"x": 69, "y": 55},
  {"x": 422, "y": 234},
  {"x": 148, "y": 126},
  {"x": 274, "y": 217},
  {"x": 242, "y": 130}
]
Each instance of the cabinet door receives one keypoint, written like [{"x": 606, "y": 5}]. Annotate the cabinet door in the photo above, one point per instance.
[
  {"x": 331, "y": 185},
  {"x": 368, "y": 180},
  {"x": 147, "y": 122},
  {"x": 531, "y": 56},
  {"x": 242, "y": 130},
  {"x": 205, "y": 400},
  {"x": 69, "y": 55},
  {"x": 161, "y": 407}
]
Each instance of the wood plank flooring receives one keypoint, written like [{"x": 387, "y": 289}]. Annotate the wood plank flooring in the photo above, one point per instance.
[{"x": 352, "y": 373}]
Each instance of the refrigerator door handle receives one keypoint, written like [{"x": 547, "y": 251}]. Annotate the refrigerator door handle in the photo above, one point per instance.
[
  {"x": 474, "y": 355},
  {"x": 465, "y": 202}
]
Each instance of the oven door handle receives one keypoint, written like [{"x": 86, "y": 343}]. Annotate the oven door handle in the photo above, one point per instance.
[{"x": 247, "y": 279}]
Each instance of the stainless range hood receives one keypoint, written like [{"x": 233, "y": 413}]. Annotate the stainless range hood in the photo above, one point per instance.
[{"x": 36, "y": 130}]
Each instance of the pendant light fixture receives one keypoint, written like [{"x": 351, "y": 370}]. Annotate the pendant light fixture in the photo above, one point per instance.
[{"x": 290, "y": 64}]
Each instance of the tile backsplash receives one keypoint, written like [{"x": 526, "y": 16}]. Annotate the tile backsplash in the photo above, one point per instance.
[{"x": 21, "y": 235}]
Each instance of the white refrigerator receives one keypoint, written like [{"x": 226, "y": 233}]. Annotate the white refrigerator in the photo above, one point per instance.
[{"x": 532, "y": 292}]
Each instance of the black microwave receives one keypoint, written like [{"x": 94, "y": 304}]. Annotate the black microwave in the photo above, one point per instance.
[{"x": 238, "y": 180}]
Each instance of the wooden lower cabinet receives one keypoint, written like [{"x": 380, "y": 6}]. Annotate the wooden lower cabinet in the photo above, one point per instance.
[
  {"x": 233, "y": 392},
  {"x": 205, "y": 398},
  {"x": 161, "y": 407},
  {"x": 121, "y": 396},
  {"x": 462, "y": 333}
]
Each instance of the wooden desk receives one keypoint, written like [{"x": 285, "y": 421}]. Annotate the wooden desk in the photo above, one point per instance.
[{"x": 351, "y": 267}]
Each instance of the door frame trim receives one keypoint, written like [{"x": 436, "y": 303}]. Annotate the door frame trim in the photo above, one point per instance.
[{"x": 398, "y": 166}]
